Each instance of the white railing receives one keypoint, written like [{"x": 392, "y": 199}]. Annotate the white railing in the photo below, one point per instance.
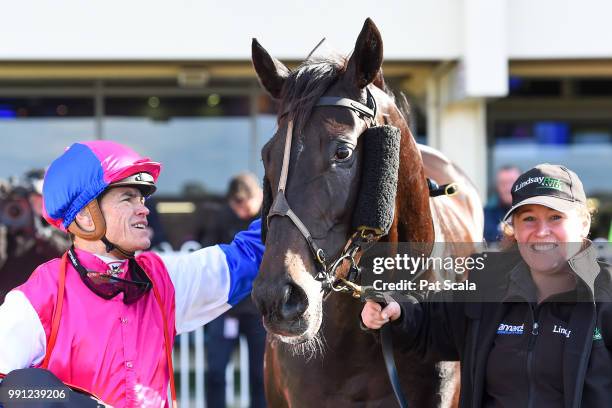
[{"x": 190, "y": 371}]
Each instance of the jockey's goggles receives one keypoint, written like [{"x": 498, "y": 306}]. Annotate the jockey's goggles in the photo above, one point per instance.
[{"x": 108, "y": 286}]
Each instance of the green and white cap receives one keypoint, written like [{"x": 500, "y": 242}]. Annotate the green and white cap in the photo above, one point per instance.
[{"x": 550, "y": 185}]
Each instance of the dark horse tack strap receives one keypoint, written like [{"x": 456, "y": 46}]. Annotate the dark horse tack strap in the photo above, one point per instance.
[
  {"x": 387, "y": 350},
  {"x": 348, "y": 103},
  {"x": 280, "y": 206}
]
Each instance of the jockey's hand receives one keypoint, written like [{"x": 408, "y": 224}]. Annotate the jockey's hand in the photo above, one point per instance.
[{"x": 374, "y": 316}]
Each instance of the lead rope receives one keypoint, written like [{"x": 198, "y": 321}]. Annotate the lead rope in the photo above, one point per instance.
[{"x": 387, "y": 350}]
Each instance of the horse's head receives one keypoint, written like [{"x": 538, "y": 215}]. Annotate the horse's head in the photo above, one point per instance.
[{"x": 322, "y": 166}]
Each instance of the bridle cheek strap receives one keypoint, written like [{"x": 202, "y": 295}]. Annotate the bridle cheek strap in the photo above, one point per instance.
[{"x": 280, "y": 205}]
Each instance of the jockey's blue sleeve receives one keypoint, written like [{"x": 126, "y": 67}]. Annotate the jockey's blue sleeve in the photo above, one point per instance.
[{"x": 243, "y": 256}]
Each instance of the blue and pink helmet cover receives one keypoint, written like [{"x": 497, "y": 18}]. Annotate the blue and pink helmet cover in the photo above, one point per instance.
[{"x": 83, "y": 172}]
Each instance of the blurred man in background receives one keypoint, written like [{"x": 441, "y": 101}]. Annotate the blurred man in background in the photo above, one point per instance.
[
  {"x": 500, "y": 203},
  {"x": 26, "y": 239},
  {"x": 244, "y": 198}
]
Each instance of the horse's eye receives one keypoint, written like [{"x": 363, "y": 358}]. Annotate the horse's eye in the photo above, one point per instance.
[{"x": 343, "y": 153}]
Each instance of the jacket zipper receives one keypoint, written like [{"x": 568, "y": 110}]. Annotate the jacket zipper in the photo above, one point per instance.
[
  {"x": 530, "y": 350},
  {"x": 586, "y": 356}
]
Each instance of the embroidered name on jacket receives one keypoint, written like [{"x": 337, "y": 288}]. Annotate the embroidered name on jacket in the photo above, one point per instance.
[
  {"x": 562, "y": 330},
  {"x": 510, "y": 329}
]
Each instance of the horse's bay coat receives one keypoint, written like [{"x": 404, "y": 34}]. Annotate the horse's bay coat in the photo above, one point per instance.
[{"x": 323, "y": 173}]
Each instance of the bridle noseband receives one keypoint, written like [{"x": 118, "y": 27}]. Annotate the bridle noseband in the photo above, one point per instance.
[{"x": 280, "y": 205}]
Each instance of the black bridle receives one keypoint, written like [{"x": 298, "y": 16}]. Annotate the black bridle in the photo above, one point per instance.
[
  {"x": 359, "y": 242},
  {"x": 280, "y": 206}
]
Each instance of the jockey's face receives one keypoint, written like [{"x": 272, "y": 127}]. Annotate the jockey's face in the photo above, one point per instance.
[{"x": 126, "y": 218}]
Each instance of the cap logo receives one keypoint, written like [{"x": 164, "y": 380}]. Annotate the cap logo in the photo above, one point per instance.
[
  {"x": 138, "y": 177},
  {"x": 544, "y": 182},
  {"x": 597, "y": 334},
  {"x": 550, "y": 182}
]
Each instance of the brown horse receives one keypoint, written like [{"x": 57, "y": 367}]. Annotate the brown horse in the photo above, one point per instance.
[{"x": 316, "y": 352}]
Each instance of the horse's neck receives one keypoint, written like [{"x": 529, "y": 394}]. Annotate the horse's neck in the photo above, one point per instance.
[{"x": 413, "y": 222}]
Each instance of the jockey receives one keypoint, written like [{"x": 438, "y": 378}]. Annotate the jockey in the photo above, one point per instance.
[{"x": 103, "y": 318}]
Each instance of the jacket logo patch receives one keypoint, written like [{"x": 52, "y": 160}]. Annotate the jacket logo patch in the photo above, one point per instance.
[
  {"x": 510, "y": 329},
  {"x": 562, "y": 330},
  {"x": 597, "y": 334}
]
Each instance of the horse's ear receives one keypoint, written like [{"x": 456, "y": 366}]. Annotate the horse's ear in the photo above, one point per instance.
[
  {"x": 365, "y": 63},
  {"x": 271, "y": 72}
]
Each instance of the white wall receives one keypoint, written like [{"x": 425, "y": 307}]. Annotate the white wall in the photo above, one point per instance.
[
  {"x": 207, "y": 29},
  {"x": 559, "y": 29}
]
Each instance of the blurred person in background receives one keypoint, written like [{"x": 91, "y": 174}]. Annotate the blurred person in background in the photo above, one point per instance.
[
  {"x": 102, "y": 318},
  {"x": 244, "y": 199},
  {"x": 26, "y": 239},
  {"x": 500, "y": 203}
]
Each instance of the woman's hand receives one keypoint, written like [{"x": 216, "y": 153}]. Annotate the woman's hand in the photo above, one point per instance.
[{"x": 374, "y": 316}]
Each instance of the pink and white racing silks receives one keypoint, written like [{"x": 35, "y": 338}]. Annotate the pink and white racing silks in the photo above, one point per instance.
[{"x": 116, "y": 351}]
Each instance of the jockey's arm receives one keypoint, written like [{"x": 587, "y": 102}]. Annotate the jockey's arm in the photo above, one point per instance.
[
  {"x": 211, "y": 280},
  {"x": 207, "y": 282}
]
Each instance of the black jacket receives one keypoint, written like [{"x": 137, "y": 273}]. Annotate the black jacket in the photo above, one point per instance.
[{"x": 463, "y": 326}]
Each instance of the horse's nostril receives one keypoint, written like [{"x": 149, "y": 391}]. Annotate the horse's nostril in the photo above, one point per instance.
[{"x": 294, "y": 302}]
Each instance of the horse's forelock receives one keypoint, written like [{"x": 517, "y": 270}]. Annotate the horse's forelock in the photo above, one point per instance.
[{"x": 307, "y": 84}]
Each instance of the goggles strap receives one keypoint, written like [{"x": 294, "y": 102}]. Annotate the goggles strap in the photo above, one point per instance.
[{"x": 142, "y": 285}]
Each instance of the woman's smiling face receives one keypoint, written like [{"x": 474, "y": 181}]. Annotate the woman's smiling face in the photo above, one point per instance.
[{"x": 547, "y": 238}]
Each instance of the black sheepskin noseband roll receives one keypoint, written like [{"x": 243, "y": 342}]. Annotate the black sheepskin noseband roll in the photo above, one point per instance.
[
  {"x": 265, "y": 208},
  {"x": 380, "y": 164}
]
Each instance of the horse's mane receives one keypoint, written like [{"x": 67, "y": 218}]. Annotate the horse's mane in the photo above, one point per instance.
[{"x": 306, "y": 84}]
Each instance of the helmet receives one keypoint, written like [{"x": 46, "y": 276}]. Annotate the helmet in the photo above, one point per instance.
[{"x": 86, "y": 169}]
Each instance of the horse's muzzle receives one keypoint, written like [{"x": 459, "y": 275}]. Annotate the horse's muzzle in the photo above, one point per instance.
[{"x": 282, "y": 307}]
